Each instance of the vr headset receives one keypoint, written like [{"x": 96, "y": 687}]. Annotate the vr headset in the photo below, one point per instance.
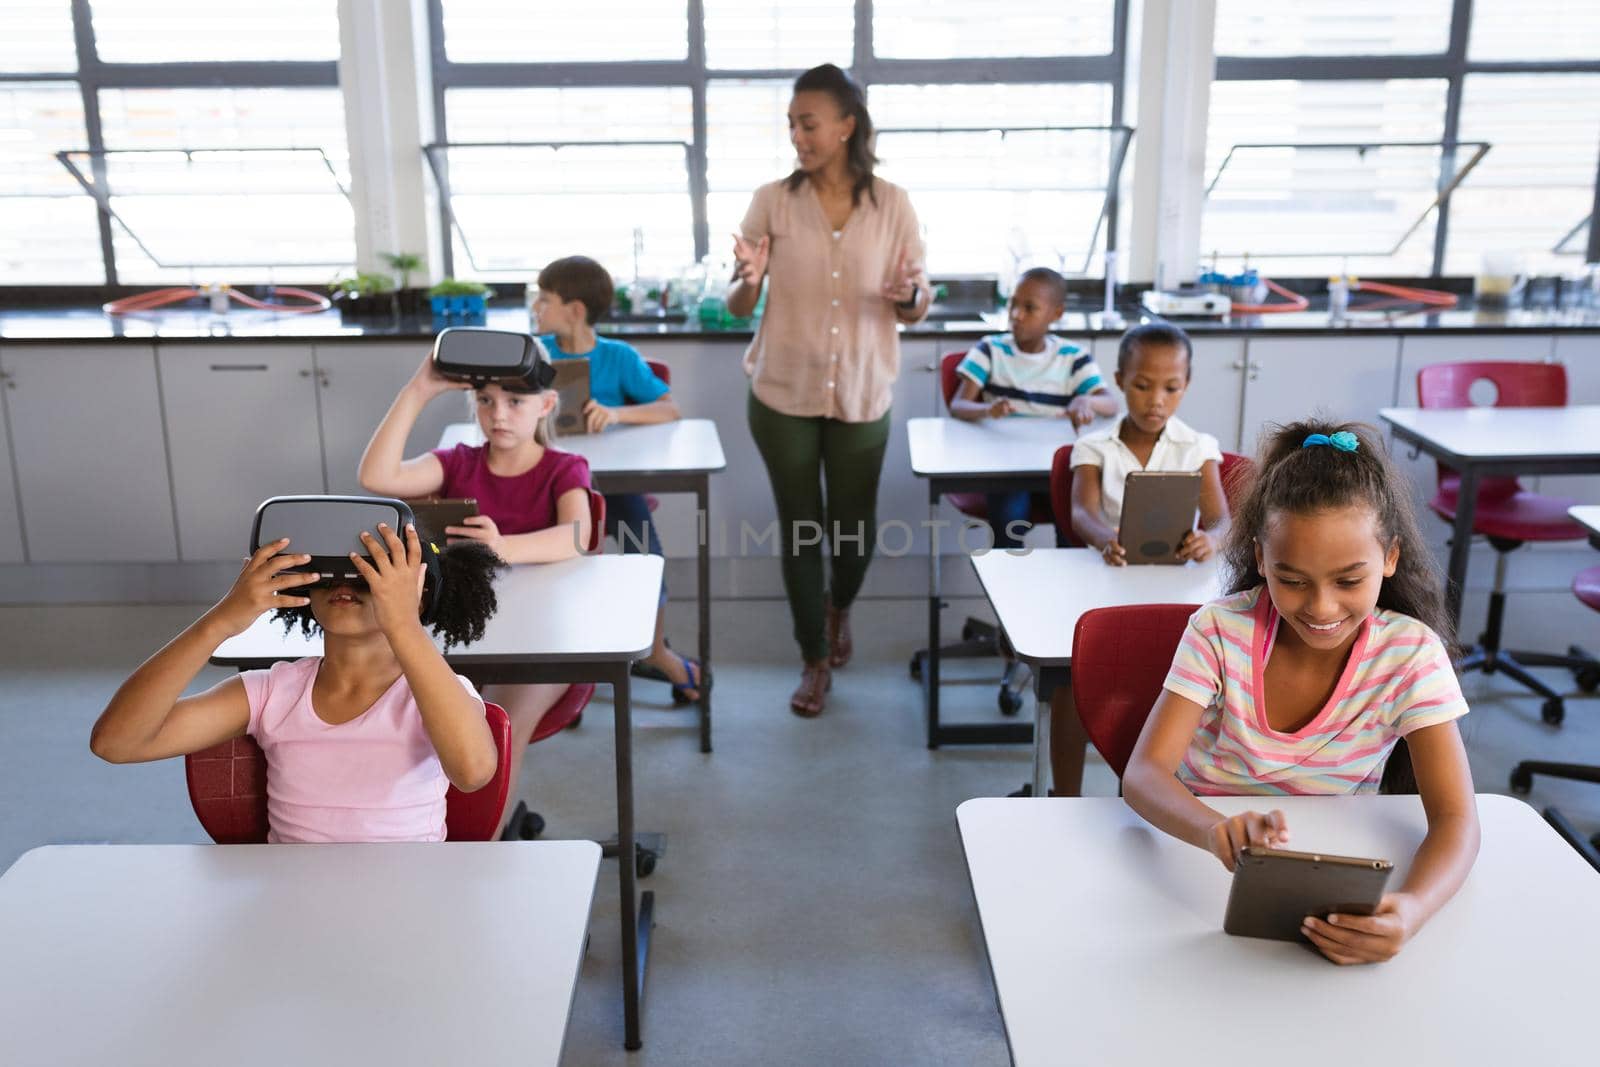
[
  {"x": 480, "y": 356},
  {"x": 329, "y": 528}
]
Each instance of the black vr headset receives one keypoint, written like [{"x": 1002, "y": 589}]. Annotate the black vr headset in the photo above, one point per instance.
[
  {"x": 480, "y": 356},
  {"x": 329, "y": 528}
]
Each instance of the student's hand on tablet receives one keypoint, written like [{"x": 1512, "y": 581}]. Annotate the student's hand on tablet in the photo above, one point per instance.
[
  {"x": 597, "y": 416},
  {"x": 1230, "y": 835},
  {"x": 478, "y": 528},
  {"x": 1196, "y": 545},
  {"x": 1081, "y": 412},
  {"x": 1001, "y": 408},
  {"x": 263, "y": 585},
  {"x": 1347, "y": 939},
  {"x": 1114, "y": 554},
  {"x": 394, "y": 577}
]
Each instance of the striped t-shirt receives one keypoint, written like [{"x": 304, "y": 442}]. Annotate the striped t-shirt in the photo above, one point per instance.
[
  {"x": 1036, "y": 383},
  {"x": 1397, "y": 679}
]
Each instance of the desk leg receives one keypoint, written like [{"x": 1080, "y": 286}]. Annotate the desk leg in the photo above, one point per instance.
[
  {"x": 1072, "y": 744},
  {"x": 1455, "y": 585},
  {"x": 637, "y": 915},
  {"x": 930, "y": 663},
  {"x": 1041, "y": 745},
  {"x": 702, "y": 496}
]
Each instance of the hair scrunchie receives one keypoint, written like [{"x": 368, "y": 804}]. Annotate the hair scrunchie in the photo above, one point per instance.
[{"x": 1344, "y": 440}]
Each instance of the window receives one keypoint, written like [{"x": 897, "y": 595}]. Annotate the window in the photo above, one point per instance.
[
  {"x": 747, "y": 146},
  {"x": 1332, "y": 27},
  {"x": 48, "y": 233},
  {"x": 37, "y": 38},
  {"x": 188, "y": 31},
  {"x": 515, "y": 31},
  {"x": 1534, "y": 30},
  {"x": 915, "y": 29},
  {"x": 769, "y": 34}
]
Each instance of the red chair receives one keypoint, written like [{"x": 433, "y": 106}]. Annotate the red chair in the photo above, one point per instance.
[
  {"x": 1120, "y": 657},
  {"x": 568, "y": 711},
  {"x": 1236, "y": 473},
  {"x": 1506, "y": 514},
  {"x": 228, "y": 789}
]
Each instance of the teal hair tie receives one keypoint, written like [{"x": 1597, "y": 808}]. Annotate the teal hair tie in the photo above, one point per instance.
[{"x": 1344, "y": 440}]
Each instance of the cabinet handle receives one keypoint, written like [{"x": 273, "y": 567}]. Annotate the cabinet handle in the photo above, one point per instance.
[
  {"x": 305, "y": 374},
  {"x": 1237, "y": 364},
  {"x": 1255, "y": 369},
  {"x": 238, "y": 366},
  {"x": 4, "y": 377},
  {"x": 322, "y": 378}
]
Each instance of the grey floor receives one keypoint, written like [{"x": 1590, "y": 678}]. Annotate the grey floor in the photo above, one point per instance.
[{"x": 812, "y": 904}]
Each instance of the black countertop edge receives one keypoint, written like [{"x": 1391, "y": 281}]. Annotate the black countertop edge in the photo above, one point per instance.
[{"x": 89, "y": 324}]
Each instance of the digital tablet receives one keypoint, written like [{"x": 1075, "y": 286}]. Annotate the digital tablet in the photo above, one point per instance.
[
  {"x": 572, "y": 386},
  {"x": 1275, "y": 889},
  {"x": 1158, "y": 508},
  {"x": 433, "y": 516}
]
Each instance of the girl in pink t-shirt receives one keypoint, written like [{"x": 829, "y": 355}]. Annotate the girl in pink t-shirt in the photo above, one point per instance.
[
  {"x": 533, "y": 500},
  {"x": 363, "y": 742},
  {"x": 1326, "y": 669}
]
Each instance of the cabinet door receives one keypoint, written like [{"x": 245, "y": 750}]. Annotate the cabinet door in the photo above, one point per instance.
[
  {"x": 10, "y": 518},
  {"x": 1214, "y": 401},
  {"x": 91, "y": 461},
  {"x": 1581, "y": 354},
  {"x": 241, "y": 426},
  {"x": 357, "y": 383},
  {"x": 1343, "y": 378}
]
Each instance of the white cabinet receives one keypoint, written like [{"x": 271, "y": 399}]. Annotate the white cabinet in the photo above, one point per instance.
[
  {"x": 357, "y": 381},
  {"x": 1341, "y": 378},
  {"x": 91, "y": 463},
  {"x": 10, "y": 517},
  {"x": 242, "y": 426},
  {"x": 1214, "y": 402}
]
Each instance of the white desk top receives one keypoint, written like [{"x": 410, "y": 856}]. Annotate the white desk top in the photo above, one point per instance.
[
  {"x": 599, "y": 607},
  {"x": 1511, "y": 433},
  {"x": 949, "y": 446},
  {"x": 687, "y": 446},
  {"x": 293, "y": 954},
  {"x": 1105, "y": 939},
  {"x": 1039, "y": 595},
  {"x": 1587, "y": 516}
]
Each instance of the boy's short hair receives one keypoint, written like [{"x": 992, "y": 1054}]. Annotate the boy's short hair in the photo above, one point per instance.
[
  {"x": 1155, "y": 333},
  {"x": 1054, "y": 281},
  {"x": 580, "y": 278}
]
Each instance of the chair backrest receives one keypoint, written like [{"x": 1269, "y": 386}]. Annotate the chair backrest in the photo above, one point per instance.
[
  {"x": 1236, "y": 473},
  {"x": 1061, "y": 495},
  {"x": 1517, "y": 385},
  {"x": 949, "y": 380},
  {"x": 597, "y": 521},
  {"x": 1120, "y": 657},
  {"x": 228, "y": 790},
  {"x": 661, "y": 371}
]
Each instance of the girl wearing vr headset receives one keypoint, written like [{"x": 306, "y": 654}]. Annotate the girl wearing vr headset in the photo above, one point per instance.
[
  {"x": 533, "y": 500},
  {"x": 362, "y": 743}
]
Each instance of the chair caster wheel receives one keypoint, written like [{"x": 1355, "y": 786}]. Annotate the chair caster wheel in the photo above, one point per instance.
[
  {"x": 1521, "y": 781},
  {"x": 1588, "y": 678},
  {"x": 524, "y": 825},
  {"x": 969, "y": 631},
  {"x": 1010, "y": 703},
  {"x": 915, "y": 667},
  {"x": 1553, "y": 711},
  {"x": 644, "y": 861}
]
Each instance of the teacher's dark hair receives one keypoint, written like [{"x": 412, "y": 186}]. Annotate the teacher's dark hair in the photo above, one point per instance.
[{"x": 851, "y": 101}]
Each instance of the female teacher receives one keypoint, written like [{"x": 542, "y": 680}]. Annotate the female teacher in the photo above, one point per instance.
[{"x": 842, "y": 255}]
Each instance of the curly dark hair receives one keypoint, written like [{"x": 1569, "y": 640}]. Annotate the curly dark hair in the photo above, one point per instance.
[
  {"x": 466, "y": 601},
  {"x": 851, "y": 100},
  {"x": 1292, "y": 478}
]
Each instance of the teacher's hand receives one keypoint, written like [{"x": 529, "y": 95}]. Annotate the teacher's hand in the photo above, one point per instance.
[
  {"x": 903, "y": 285},
  {"x": 750, "y": 259}
]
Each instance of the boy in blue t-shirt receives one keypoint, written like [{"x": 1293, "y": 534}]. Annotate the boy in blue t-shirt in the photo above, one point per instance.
[
  {"x": 1030, "y": 372},
  {"x": 574, "y": 292}
]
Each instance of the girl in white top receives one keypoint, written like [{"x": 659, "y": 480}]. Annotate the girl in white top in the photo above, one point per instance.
[{"x": 1153, "y": 368}]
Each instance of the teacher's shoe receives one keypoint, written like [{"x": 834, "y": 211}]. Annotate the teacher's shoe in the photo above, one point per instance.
[
  {"x": 840, "y": 647},
  {"x": 811, "y": 695}
]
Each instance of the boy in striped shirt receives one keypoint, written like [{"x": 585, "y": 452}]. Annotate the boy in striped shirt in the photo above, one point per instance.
[{"x": 1029, "y": 372}]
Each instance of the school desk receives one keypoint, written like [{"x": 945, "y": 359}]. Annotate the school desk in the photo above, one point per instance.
[
  {"x": 989, "y": 455},
  {"x": 147, "y": 955},
  {"x": 1480, "y": 442},
  {"x": 664, "y": 457},
  {"x": 1038, "y": 596},
  {"x": 1105, "y": 943},
  {"x": 581, "y": 620}
]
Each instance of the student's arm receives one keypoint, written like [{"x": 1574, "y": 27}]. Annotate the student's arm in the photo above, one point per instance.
[
  {"x": 384, "y": 468},
  {"x": 150, "y": 719},
  {"x": 1438, "y": 868},
  {"x": 1088, "y": 515},
  {"x": 966, "y": 406},
  {"x": 664, "y": 409},
  {"x": 562, "y": 541},
  {"x": 452, "y": 717},
  {"x": 1201, "y": 544},
  {"x": 646, "y": 399},
  {"x": 1097, "y": 403},
  {"x": 1151, "y": 787}
]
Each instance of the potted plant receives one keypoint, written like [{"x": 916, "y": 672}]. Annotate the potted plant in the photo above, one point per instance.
[
  {"x": 403, "y": 263},
  {"x": 453, "y": 298},
  {"x": 364, "y": 297}
]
